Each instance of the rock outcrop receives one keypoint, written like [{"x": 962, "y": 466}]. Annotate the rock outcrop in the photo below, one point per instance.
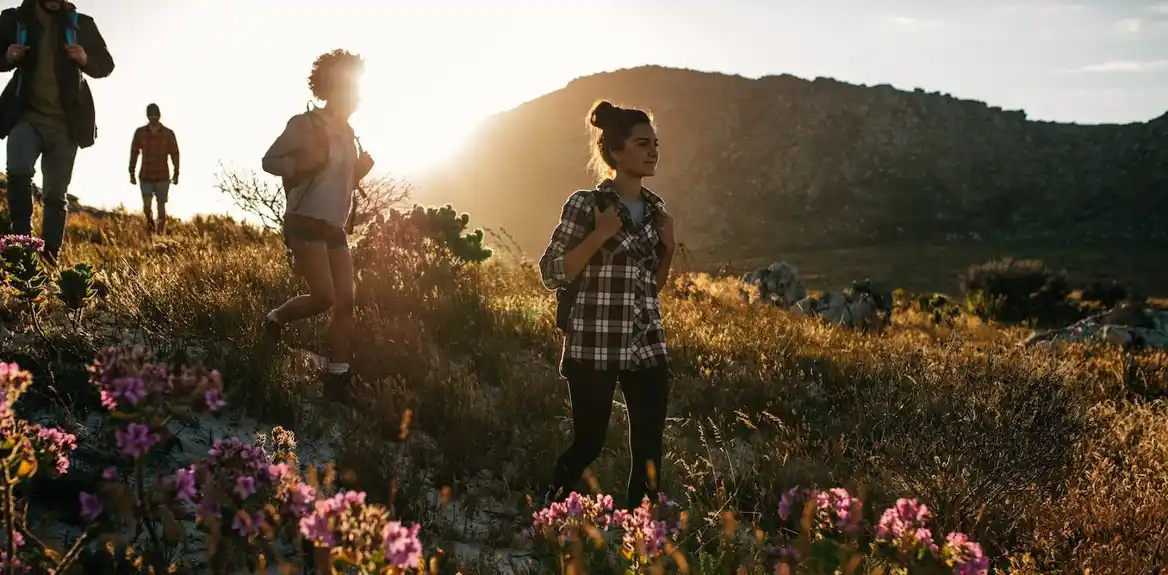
[
  {"x": 864, "y": 306},
  {"x": 1128, "y": 326}
]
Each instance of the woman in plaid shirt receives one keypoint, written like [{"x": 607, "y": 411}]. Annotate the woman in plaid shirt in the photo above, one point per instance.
[{"x": 615, "y": 243}]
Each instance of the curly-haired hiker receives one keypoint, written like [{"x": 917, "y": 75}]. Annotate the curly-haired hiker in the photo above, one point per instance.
[
  {"x": 46, "y": 110},
  {"x": 608, "y": 258},
  {"x": 320, "y": 164}
]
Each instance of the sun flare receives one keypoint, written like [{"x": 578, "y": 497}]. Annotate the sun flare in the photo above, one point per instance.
[{"x": 409, "y": 132}]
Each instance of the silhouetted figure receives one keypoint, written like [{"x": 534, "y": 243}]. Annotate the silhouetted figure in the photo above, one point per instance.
[
  {"x": 156, "y": 143},
  {"x": 319, "y": 162},
  {"x": 609, "y": 257},
  {"x": 46, "y": 108}
]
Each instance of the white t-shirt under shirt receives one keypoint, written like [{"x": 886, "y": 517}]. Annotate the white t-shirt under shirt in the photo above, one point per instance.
[{"x": 636, "y": 210}]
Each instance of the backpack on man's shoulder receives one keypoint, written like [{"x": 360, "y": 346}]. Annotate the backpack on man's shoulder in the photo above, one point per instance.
[{"x": 566, "y": 295}]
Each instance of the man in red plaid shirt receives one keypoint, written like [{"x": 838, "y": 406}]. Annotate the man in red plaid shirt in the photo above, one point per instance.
[{"x": 156, "y": 143}]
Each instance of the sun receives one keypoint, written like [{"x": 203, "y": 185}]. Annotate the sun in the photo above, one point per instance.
[{"x": 410, "y": 131}]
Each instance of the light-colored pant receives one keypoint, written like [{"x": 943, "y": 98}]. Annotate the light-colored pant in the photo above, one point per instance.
[
  {"x": 158, "y": 190},
  {"x": 57, "y": 150}
]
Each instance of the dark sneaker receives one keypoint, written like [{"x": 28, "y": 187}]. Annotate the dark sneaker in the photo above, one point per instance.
[
  {"x": 338, "y": 388},
  {"x": 271, "y": 333}
]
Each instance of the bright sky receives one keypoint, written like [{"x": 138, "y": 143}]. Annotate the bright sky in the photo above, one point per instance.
[{"x": 228, "y": 73}]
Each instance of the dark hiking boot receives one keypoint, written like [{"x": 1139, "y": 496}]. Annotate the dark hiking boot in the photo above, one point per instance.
[{"x": 340, "y": 388}]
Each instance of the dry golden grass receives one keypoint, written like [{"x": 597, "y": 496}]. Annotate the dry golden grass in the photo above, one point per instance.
[{"x": 1055, "y": 460}]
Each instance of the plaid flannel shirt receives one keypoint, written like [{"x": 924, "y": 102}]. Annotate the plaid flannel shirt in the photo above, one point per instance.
[
  {"x": 615, "y": 323},
  {"x": 155, "y": 148}
]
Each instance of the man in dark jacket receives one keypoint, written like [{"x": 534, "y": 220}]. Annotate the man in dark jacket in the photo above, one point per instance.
[{"x": 47, "y": 108}]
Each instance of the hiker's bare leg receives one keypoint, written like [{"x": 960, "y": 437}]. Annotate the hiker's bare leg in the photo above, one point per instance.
[
  {"x": 162, "y": 195},
  {"x": 147, "y": 203},
  {"x": 161, "y": 216},
  {"x": 147, "y": 210},
  {"x": 340, "y": 330},
  {"x": 312, "y": 263}
]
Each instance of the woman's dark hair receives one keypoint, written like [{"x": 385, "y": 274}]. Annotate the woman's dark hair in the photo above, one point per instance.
[
  {"x": 336, "y": 70},
  {"x": 612, "y": 126}
]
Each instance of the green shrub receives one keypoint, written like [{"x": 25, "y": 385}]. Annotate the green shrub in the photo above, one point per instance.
[{"x": 1011, "y": 290}]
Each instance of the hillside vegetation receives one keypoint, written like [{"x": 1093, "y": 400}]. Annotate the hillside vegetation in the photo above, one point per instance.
[
  {"x": 1053, "y": 460},
  {"x": 761, "y": 168}
]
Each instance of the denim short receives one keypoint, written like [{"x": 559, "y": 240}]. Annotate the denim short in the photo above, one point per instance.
[
  {"x": 307, "y": 229},
  {"x": 158, "y": 190}
]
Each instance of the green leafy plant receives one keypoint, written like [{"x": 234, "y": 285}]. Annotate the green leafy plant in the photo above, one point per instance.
[{"x": 75, "y": 286}]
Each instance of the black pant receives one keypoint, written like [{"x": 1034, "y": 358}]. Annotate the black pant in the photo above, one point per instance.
[{"x": 646, "y": 396}]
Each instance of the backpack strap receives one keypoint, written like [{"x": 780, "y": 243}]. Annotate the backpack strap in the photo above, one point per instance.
[{"x": 21, "y": 32}]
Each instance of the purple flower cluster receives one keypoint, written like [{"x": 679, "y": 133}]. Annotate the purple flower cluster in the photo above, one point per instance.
[
  {"x": 901, "y": 534},
  {"x": 403, "y": 549},
  {"x": 91, "y": 506},
  {"x": 130, "y": 383},
  {"x": 363, "y": 530},
  {"x": 645, "y": 530},
  {"x": 964, "y": 555},
  {"x": 53, "y": 446},
  {"x": 26, "y": 242},
  {"x": 135, "y": 439},
  {"x": 903, "y": 527},
  {"x": 832, "y": 508},
  {"x": 13, "y": 382},
  {"x": 49, "y": 446},
  {"x": 562, "y": 519},
  {"x": 129, "y": 380},
  {"x": 648, "y": 527},
  {"x": 237, "y": 480},
  {"x": 19, "y": 265}
]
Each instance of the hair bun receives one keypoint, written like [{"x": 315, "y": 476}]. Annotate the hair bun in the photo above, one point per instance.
[{"x": 603, "y": 114}]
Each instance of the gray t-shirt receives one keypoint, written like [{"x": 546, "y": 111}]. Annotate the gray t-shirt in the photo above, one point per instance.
[
  {"x": 328, "y": 196},
  {"x": 636, "y": 210}
]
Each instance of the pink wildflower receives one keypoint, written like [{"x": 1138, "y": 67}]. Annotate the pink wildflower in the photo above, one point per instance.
[
  {"x": 91, "y": 506},
  {"x": 56, "y": 444},
  {"x": 903, "y": 525},
  {"x": 214, "y": 399},
  {"x": 184, "y": 483},
  {"x": 403, "y": 549},
  {"x": 135, "y": 439},
  {"x": 965, "y": 555}
]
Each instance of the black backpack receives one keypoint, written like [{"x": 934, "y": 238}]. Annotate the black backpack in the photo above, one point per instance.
[{"x": 566, "y": 295}]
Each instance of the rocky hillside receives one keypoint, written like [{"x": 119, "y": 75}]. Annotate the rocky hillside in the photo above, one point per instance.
[{"x": 754, "y": 167}]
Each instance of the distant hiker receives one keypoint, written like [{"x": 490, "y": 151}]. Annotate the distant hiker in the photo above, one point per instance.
[
  {"x": 47, "y": 108},
  {"x": 156, "y": 143},
  {"x": 320, "y": 164},
  {"x": 608, "y": 258}
]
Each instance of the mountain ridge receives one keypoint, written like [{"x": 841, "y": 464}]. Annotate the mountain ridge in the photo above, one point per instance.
[{"x": 820, "y": 164}]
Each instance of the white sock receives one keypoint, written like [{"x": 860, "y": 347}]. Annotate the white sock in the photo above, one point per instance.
[
  {"x": 272, "y": 317},
  {"x": 338, "y": 367}
]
